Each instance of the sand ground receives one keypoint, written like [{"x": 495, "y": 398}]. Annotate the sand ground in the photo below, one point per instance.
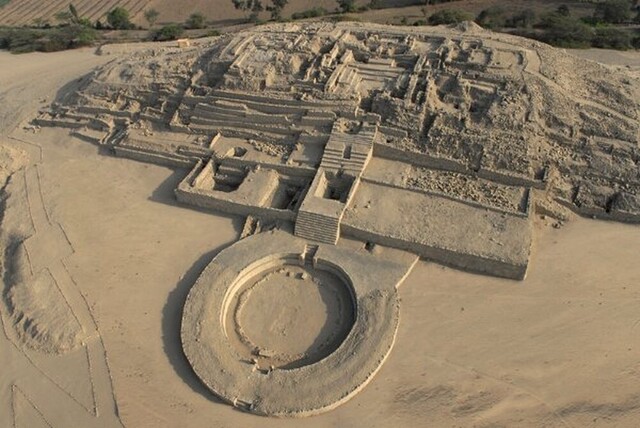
[{"x": 558, "y": 349}]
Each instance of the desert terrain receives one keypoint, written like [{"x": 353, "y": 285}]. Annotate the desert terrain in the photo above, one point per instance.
[{"x": 559, "y": 348}]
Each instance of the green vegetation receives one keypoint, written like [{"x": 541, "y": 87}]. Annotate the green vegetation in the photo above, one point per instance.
[
  {"x": 196, "y": 21},
  {"x": 71, "y": 17},
  {"x": 613, "y": 11},
  {"x": 276, "y": 8},
  {"x": 344, "y": 18},
  {"x": 3, "y": 2},
  {"x": 252, "y": 7},
  {"x": 612, "y": 38},
  {"x": 564, "y": 31},
  {"x": 168, "y": 32},
  {"x": 72, "y": 32},
  {"x": 22, "y": 40},
  {"x": 151, "y": 16},
  {"x": 559, "y": 28},
  {"x": 493, "y": 18},
  {"x": 118, "y": 19},
  {"x": 347, "y": 6},
  {"x": 310, "y": 13},
  {"x": 564, "y": 10},
  {"x": 428, "y": 2},
  {"x": 524, "y": 19},
  {"x": 448, "y": 16}
]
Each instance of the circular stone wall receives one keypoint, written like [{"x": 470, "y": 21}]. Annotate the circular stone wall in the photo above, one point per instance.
[{"x": 278, "y": 327}]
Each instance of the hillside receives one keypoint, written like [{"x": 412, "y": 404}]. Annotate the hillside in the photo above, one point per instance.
[
  {"x": 222, "y": 12},
  {"x": 24, "y": 12}
]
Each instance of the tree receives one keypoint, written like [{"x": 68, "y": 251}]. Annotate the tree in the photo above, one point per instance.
[
  {"x": 151, "y": 16},
  {"x": 118, "y": 18},
  {"x": 565, "y": 31},
  {"x": 613, "y": 11},
  {"x": 612, "y": 38},
  {"x": 564, "y": 10},
  {"x": 252, "y": 6},
  {"x": 168, "y": 32},
  {"x": 74, "y": 12},
  {"x": 40, "y": 22},
  {"x": 493, "y": 17},
  {"x": 347, "y": 6},
  {"x": 276, "y": 8},
  {"x": 448, "y": 16},
  {"x": 196, "y": 21},
  {"x": 76, "y": 18},
  {"x": 64, "y": 17},
  {"x": 526, "y": 19}
]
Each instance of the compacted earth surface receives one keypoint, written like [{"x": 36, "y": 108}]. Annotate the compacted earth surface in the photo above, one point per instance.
[{"x": 98, "y": 259}]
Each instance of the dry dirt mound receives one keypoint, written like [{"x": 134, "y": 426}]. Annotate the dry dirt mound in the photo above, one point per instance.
[
  {"x": 41, "y": 316},
  {"x": 10, "y": 161},
  {"x": 39, "y": 312}
]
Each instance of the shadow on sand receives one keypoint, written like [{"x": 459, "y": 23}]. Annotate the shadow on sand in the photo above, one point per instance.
[{"x": 172, "y": 311}]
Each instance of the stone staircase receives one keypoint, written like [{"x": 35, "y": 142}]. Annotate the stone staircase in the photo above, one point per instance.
[
  {"x": 310, "y": 253},
  {"x": 317, "y": 227},
  {"x": 349, "y": 152}
]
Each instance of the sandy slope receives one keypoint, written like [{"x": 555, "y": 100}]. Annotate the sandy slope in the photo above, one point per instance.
[{"x": 558, "y": 349}]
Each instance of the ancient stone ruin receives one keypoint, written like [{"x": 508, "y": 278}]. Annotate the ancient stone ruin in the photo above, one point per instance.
[{"x": 440, "y": 143}]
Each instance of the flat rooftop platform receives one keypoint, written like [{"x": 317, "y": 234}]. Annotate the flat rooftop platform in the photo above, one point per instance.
[{"x": 440, "y": 229}]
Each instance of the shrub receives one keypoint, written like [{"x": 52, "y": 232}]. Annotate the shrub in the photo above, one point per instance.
[
  {"x": 493, "y": 17},
  {"x": 611, "y": 38},
  {"x": 613, "y": 11},
  {"x": 151, "y": 16},
  {"x": 310, "y": 13},
  {"x": 524, "y": 19},
  {"x": 275, "y": 9},
  {"x": 168, "y": 32},
  {"x": 564, "y": 10},
  {"x": 21, "y": 40},
  {"x": 347, "y": 6},
  {"x": 118, "y": 19},
  {"x": 565, "y": 32},
  {"x": 196, "y": 21},
  {"x": 341, "y": 18},
  {"x": 448, "y": 16}
]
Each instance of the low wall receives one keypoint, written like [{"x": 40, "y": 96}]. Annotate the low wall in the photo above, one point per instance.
[
  {"x": 474, "y": 204},
  {"x": 203, "y": 199},
  {"x": 186, "y": 193},
  {"x": 467, "y": 262},
  {"x": 57, "y": 123},
  {"x": 295, "y": 171},
  {"x": 432, "y": 162},
  {"x": 155, "y": 158},
  {"x": 600, "y": 213}
]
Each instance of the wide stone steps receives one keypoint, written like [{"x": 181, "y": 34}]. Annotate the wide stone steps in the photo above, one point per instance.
[
  {"x": 343, "y": 164},
  {"x": 317, "y": 227},
  {"x": 330, "y": 151}
]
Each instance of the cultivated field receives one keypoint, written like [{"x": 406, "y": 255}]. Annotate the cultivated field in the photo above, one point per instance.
[
  {"x": 25, "y": 12},
  {"x": 222, "y": 12}
]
